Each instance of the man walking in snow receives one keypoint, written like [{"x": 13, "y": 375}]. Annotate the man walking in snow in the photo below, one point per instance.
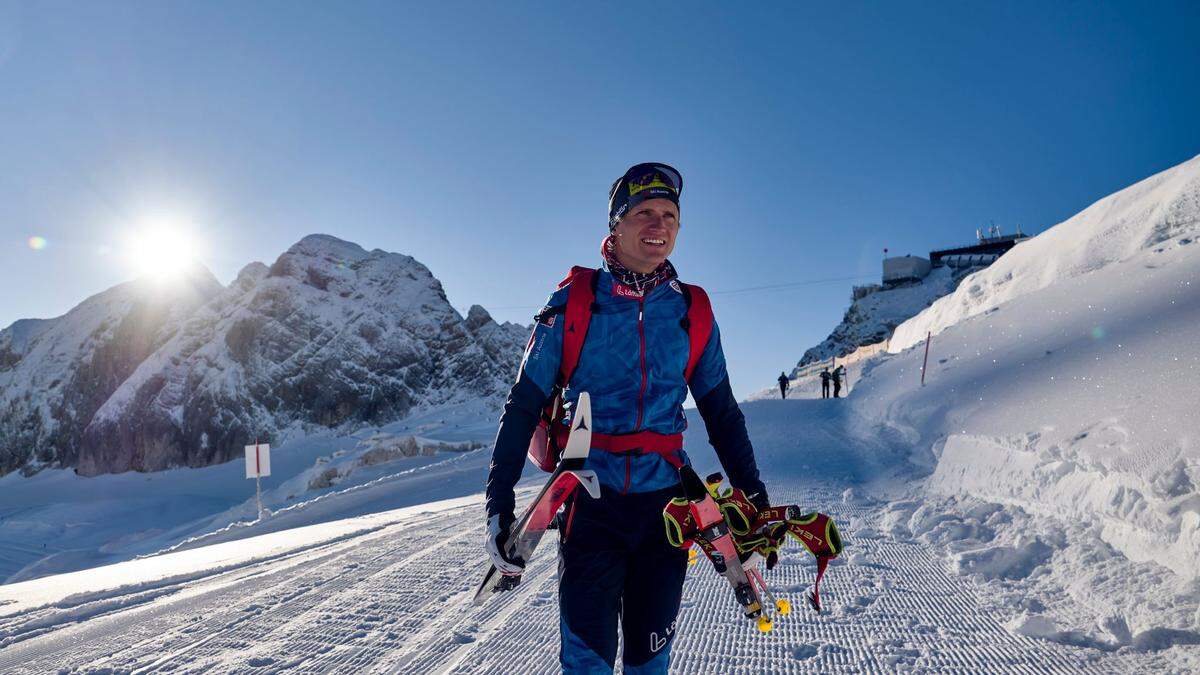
[
  {"x": 783, "y": 385},
  {"x": 616, "y": 567},
  {"x": 825, "y": 383},
  {"x": 837, "y": 381}
]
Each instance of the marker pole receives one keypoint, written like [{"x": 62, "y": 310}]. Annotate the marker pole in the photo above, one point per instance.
[{"x": 926, "y": 363}]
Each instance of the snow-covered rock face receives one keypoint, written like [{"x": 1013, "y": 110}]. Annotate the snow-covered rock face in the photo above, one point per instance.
[
  {"x": 330, "y": 335},
  {"x": 55, "y": 373},
  {"x": 872, "y": 318}
]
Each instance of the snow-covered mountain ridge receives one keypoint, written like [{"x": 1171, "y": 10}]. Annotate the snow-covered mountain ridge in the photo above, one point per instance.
[
  {"x": 329, "y": 336},
  {"x": 56, "y": 373},
  {"x": 1152, "y": 217}
]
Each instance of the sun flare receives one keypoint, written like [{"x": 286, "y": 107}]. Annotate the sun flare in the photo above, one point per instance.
[{"x": 162, "y": 252}]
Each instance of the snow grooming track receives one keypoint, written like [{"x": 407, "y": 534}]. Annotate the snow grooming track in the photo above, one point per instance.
[
  {"x": 889, "y": 606},
  {"x": 204, "y": 624},
  {"x": 398, "y": 600}
]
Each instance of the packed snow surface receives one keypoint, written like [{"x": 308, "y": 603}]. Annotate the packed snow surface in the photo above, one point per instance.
[
  {"x": 390, "y": 591},
  {"x": 57, "y": 521}
]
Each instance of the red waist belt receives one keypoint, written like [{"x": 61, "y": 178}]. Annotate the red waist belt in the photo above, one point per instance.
[{"x": 667, "y": 445}]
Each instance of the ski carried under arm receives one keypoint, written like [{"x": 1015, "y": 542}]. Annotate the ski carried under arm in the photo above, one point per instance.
[{"x": 527, "y": 531}]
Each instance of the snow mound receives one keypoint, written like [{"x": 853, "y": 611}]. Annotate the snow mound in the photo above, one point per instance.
[{"x": 1155, "y": 215}]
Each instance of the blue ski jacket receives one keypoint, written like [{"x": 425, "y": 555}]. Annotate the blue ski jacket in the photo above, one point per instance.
[{"x": 632, "y": 364}]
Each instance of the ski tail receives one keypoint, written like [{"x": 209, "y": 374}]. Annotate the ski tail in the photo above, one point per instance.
[{"x": 527, "y": 532}]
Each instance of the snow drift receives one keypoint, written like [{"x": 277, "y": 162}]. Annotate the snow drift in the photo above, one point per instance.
[
  {"x": 1056, "y": 430},
  {"x": 1158, "y": 213}
]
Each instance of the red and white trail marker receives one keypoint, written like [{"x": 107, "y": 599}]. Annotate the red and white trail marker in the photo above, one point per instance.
[
  {"x": 258, "y": 460},
  {"x": 258, "y": 464}
]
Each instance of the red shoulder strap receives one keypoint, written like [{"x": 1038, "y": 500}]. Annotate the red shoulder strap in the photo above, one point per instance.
[
  {"x": 577, "y": 317},
  {"x": 700, "y": 325}
]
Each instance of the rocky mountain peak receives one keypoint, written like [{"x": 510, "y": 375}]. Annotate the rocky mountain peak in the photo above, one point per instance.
[
  {"x": 250, "y": 275},
  {"x": 477, "y": 317},
  {"x": 330, "y": 335},
  {"x": 56, "y": 373}
]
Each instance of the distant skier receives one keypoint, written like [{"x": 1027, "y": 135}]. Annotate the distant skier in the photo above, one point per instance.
[
  {"x": 616, "y": 567},
  {"x": 825, "y": 376},
  {"x": 837, "y": 381},
  {"x": 783, "y": 385}
]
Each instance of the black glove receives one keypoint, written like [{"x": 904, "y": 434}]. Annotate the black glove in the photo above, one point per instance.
[
  {"x": 762, "y": 502},
  {"x": 499, "y": 527}
]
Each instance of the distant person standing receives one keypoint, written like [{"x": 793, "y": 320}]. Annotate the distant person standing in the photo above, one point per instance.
[
  {"x": 837, "y": 381},
  {"x": 825, "y": 383},
  {"x": 783, "y": 385}
]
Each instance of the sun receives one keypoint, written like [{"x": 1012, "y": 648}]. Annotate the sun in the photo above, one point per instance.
[{"x": 162, "y": 251}]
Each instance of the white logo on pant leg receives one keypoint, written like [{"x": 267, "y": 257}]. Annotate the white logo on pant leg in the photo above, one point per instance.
[{"x": 657, "y": 643}]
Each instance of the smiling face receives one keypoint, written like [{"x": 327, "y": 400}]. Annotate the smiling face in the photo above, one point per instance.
[{"x": 646, "y": 235}]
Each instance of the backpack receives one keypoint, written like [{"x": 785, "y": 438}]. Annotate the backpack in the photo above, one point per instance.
[{"x": 550, "y": 437}]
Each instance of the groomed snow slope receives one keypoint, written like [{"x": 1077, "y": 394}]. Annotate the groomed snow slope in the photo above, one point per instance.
[
  {"x": 390, "y": 592},
  {"x": 57, "y": 521}
]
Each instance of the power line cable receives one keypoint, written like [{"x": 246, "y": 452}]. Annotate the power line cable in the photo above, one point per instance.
[{"x": 733, "y": 291}]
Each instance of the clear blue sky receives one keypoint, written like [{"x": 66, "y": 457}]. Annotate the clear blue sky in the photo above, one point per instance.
[{"x": 482, "y": 139}]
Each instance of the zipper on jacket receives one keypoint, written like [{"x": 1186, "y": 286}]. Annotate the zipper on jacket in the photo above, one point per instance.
[
  {"x": 628, "y": 459},
  {"x": 641, "y": 400}
]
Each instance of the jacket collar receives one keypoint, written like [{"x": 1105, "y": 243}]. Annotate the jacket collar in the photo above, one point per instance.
[{"x": 608, "y": 287}]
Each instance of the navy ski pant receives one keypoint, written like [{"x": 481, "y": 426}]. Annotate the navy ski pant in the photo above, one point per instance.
[{"x": 615, "y": 563}]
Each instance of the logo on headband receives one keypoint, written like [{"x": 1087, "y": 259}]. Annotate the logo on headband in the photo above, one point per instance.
[{"x": 648, "y": 181}]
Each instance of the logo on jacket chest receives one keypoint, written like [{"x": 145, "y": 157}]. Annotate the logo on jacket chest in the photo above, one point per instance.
[{"x": 623, "y": 291}]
